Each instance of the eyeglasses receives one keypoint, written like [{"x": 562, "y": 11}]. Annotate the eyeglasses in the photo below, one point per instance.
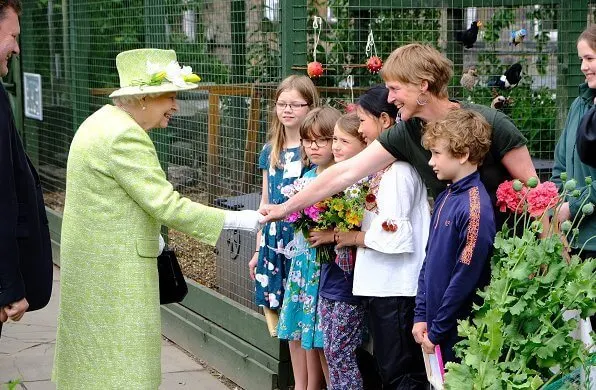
[
  {"x": 321, "y": 142},
  {"x": 293, "y": 105}
]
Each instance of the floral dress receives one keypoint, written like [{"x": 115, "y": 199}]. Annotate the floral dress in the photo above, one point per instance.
[
  {"x": 298, "y": 319},
  {"x": 273, "y": 264}
]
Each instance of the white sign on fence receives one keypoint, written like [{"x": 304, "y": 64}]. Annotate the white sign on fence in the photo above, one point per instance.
[{"x": 32, "y": 91}]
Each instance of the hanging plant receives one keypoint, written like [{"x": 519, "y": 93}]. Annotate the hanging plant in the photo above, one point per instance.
[
  {"x": 374, "y": 63},
  {"x": 315, "y": 68}
]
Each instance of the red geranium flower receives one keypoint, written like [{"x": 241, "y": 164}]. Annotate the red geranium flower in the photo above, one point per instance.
[{"x": 370, "y": 198}]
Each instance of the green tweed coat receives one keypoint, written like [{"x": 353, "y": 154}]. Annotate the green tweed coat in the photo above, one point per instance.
[{"x": 117, "y": 197}]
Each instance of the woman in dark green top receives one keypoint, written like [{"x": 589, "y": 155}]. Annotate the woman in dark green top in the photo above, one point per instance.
[{"x": 417, "y": 77}]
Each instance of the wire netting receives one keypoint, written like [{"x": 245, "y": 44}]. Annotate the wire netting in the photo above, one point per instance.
[{"x": 243, "y": 48}]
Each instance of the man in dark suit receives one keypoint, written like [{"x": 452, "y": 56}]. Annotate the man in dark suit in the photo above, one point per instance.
[{"x": 25, "y": 249}]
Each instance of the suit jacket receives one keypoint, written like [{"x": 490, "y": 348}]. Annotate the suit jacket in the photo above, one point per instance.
[
  {"x": 25, "y": 249},
  {"x": 117, "y": 198}
]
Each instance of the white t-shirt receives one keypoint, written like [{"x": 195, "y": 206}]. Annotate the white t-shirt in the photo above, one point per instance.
[{"x": 390, "y": 263}]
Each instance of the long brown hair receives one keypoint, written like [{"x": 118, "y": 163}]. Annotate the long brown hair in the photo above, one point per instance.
[{"x": 277, "y": 135}]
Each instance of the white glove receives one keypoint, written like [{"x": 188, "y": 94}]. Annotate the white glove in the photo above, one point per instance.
[{"x": 249, "y": 220}]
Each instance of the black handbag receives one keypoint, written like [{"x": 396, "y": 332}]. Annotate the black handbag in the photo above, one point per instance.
[
  {"x": 172, "y": 286},
  {"x": 586, "y": 138}
]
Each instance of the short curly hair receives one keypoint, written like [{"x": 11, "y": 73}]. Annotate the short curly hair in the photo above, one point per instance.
[
  {"x": 466, "y": 132},
  {"x": 6, "y": 4}
]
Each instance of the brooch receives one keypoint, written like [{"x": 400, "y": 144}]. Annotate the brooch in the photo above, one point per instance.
[{"x": 389, "y": 225}]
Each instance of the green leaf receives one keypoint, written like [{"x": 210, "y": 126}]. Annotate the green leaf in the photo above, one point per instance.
[
  {"x": 518, "y": 307},
  {"x": 536, "y": 382},
  {"x": 521, "y": 271},
  {"x": 550, "y": 346},
  {"x": 458, "y": 377}
]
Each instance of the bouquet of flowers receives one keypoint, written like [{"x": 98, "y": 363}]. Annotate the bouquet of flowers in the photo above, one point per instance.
[
  {"x": 309, "y": 218},
  {"x": 343, "y": 212},
  {"x": 520, "y": 337}
]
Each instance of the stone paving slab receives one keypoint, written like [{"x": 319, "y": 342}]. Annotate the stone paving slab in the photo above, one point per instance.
[{"x": 27, "y": 353}]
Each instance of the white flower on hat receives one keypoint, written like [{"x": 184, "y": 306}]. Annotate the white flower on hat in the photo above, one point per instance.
[
  {"x": 174, "y": 73},
  {"x": 153, "y": 68}
]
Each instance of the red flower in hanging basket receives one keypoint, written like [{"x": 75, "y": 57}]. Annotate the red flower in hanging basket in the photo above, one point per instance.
[
  {"x": 370, "y": 198},
  {"x": 374, "y": 64},
  {"x": 314, "y": 69}
]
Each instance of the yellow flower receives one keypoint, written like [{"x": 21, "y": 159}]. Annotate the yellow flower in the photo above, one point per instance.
[
  {"x": 192, "y": 78},
  {"x": 353, "y": 218},
  {"x": 338, "y": 206},
  {"x": 157, "y": 77}
]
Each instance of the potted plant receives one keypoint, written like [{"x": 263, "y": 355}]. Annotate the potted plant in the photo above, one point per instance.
[{"x": 521, "y": 335}]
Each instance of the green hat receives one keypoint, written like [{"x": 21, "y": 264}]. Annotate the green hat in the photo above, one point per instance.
[{"x": 145, "y": 71}]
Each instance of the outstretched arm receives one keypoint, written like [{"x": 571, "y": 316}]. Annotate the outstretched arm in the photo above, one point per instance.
[
  {"x": 519, "y": 164},
  {"x": 334, "y": 179}
]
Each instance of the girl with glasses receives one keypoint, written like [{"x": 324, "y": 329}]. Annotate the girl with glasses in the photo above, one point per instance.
[
  {"x": 298, "y": 320},
  {"x": 281, "y": 163}
]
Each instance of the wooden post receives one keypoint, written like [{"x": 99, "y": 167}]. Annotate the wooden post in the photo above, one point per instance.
[
  {"x": 252, "y": 130},
  {"x": 212, "y": 146}
]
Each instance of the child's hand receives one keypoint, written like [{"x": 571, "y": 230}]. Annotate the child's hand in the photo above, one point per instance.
[
  {"x": 427, "y": 345},
  {"x": 419, "y": 331},
  {"x": 349, "y": 238},
  {"x": 252, "y": 265},
  {"x": 320, "y": 237}
]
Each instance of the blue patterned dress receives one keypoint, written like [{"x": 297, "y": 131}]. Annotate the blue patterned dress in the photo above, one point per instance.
[
  {"x": 273, "y": 265},
  {"x": 298, "y": 319}
]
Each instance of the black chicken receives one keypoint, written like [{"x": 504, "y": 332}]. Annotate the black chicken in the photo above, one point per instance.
[
  {"x": 509, "y": 79},
  {"x": 468, "y": 37}
]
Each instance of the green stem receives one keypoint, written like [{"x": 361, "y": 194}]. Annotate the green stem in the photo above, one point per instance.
[
  {"x": 582, "y": 205},
  {"x": 583, "y": 246},
  {"x": 509, "y": 353},
  {"x": 552, "y": 378}
]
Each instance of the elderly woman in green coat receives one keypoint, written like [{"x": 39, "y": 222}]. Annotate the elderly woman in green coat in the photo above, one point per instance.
[{"x": 117, "y": 198}]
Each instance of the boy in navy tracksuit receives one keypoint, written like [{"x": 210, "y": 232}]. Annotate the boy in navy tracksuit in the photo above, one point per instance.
[{"x": 462, "y": 231}]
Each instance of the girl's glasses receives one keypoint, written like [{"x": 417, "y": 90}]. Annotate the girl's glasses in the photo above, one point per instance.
[
  {"x": 321, "y": 142},
  {"x": 293, "y": 105}
]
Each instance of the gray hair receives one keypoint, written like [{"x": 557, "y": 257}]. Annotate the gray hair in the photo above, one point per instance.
[{"x": 128, "y": 100}]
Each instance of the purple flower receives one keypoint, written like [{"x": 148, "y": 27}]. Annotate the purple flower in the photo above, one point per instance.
[
  {"x": 313, "y": 212},
  {"x": 293, "y": 217}
]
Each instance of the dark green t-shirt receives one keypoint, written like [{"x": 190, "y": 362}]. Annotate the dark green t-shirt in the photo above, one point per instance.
[{"x": 404, "y": 142}]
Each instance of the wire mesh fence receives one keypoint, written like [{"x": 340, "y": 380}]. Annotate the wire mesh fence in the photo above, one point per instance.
[{"x": 243, "y": 48}]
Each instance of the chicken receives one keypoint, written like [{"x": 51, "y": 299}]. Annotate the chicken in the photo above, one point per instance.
[
  {"x": 469, "y": 79},
  {"x": 509, "y": 79},
  {"x": 517, "y": 37},
  {"x": 501, "y": 102},
  {"x": 468, "y": 37}
]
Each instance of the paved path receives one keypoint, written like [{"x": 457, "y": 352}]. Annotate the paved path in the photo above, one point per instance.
[{"x": 27, "y": 353}]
